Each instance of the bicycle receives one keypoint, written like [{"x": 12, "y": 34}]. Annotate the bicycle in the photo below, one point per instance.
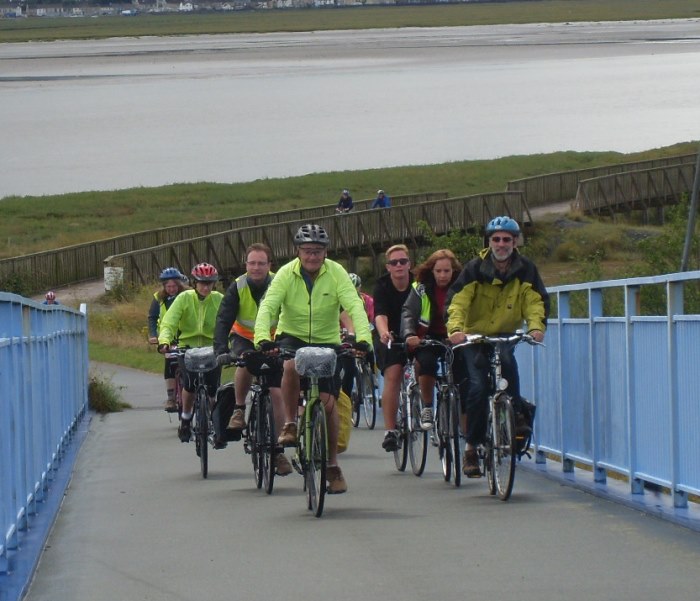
[
  {"x": 179, "y": 378},
  {"x": 200, "y": 361},
  {"x": 260, "y": 440},
  {"x": 364, "y": 393},
  {"x": 499, "y": 450},
  {"x": 311, "y": 456},
  {"x": 446, "y": 426}
]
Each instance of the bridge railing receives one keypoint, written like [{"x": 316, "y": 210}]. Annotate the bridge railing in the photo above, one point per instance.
[
  {"x": 619, "y": 394},
  {"x": 562, "y": 186},
  {"x": 80, "y": 262},
  {"x": 635, "y": 190},
  {"x": 43, "y": 389},
  {"x": 366, "y": 232}
]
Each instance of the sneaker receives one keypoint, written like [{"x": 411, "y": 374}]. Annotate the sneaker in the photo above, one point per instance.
[
  {"x": 288, "y": 436},
  {"x": 170, "y": 406},
  {"x": 522, "y": 428},
  {"x": 470, "y": 464},
  {"x": 336, "y": 483},
  {"x": 184, "y": 430},
  {"x": 391, "y": 441},
  {"x": 426, "y": 418},
  {"x": 282, "y": 465},
  {"x": 237, "y": 421}
]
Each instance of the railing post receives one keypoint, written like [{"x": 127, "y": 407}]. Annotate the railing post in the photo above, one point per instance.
[
  {"x": 632, "y": 303},
  {"x": 595, "y": 309}
]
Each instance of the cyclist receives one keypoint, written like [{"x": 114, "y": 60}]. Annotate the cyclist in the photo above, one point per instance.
[
  {"x": 423, "y": 315},
  {"x": 50, "y": 298},
  {"x": 495, "y": 293},
  {"x": 235, "y": 323},
  {"x": 171, "y": 286},
  {"x": 390, "y": 292},
  {"x": 193, "y": 315},
  {"x": 345, "y": 203},
  {"x": 381, "y": 202},
  {"x": 307, "y": 294}
]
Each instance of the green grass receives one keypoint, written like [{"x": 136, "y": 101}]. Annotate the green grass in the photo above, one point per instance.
[
  {"x": 36, "y": 223},
  {"x": 482, "y": 13}
]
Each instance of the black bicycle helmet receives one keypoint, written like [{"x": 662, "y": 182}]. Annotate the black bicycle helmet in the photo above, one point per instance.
[{"x": 311, "y": 234}]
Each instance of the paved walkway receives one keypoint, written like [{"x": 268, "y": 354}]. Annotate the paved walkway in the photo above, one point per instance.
[{"x": 139, "y": 523}]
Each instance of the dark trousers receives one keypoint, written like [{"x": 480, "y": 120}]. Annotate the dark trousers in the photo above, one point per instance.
[{"x": 476, "y": 384}]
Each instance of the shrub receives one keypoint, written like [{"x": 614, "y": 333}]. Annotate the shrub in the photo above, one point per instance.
[{"x": 104, "y": 396}]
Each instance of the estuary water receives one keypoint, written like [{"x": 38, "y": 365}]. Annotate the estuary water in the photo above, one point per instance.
[{"x": 119, "y": 113}]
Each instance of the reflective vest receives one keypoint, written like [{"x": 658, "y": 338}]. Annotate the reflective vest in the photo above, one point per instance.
[
  {"x": 247, "y": 309},
  {"x": 425, "y": 307}
]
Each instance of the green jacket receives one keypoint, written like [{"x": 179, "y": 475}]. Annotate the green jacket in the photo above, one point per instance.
[
  {"x": 480, "y": 302},
  {"x": 194, "y": 318},
  {"x": 311, "y": 315}
]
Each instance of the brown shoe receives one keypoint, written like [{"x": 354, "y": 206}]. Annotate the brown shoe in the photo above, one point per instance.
[
  {"x": 470, "y": 464},
  {"x": 336, "y": 483},
  {"x": 170, "y": 406},
  {"x": 282, "y": 465},
  {"x": 288, "y": 436},
  {"x": 237, "y": 421}
]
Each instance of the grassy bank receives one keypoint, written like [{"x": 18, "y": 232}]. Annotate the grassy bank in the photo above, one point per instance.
[
  {"x": 486, "y": 13},
  {"x": 32, "y": 224}
]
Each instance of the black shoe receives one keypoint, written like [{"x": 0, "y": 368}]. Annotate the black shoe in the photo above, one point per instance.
[
  {"x": 391, "y": 441},
  {"x": 470, "y": 464},
  {"x": 220, "y": 444},
  {"x": 184, "y": 431}
]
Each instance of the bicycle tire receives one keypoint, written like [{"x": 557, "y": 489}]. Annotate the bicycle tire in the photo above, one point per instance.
[
  {"x": 444, "y": 448},
  {"x": 417, "y": 437},
  {"x": 253, "y": 440},
  {"x": 356, "y": 397},
  {"x": 503, "y": 453},
  {"x": 369, "y": 396},
  {"x": 317, "y": 457},
  {"x": 267, "y": 441},
  {"x": 453, "y": 405},
  {"x": 178, "y": 392},
  {"x": 401, "y": 451},
  {"x": 202, "y": 424}
]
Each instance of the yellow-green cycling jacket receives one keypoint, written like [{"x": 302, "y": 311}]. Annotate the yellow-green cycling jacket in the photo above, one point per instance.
[
  {"x": 311, "y": 315},
  {"x": 480, "y": 302},
  {"x": 194, "y": 318}
]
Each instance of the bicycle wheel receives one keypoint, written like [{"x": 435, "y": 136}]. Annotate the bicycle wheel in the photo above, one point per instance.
[
  {"x": 267, "y": 441},
  {"x": 453, "y": 406},
  {"x": 202, "y": 425},
  {"x": 178, "y": 392},
  {"x": 357, "y": 393},
  {"x": 503, "y": 452},
  {"x": 401, "y": 452},
  {"x": 317, "y": 457},
  {"x": 254, "y": 442},
  {"x": 417, "y": 437},
  {"x": 443, "y": 435},
  {"x": 369, "y": 395}
]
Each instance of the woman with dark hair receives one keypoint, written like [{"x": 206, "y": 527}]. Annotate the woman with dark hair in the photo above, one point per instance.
[{"x": 423, "y": 315}]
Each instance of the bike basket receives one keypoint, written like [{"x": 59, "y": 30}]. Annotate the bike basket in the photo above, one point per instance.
[
  {"x": 200, "y": 359},
  {"x": 260, "y": 364},
  {"x": 315, "y": 362}
]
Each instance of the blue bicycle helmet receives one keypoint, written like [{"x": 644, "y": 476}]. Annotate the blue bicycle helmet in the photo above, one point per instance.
[
  {"x": 170, "y": 273},
  {"x": 503, "y": 224}
]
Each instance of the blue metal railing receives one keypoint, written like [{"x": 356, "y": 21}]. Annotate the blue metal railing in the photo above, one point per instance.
[
  {"x": 619, "y": 394},
  {"x": 43, "y": 396}
]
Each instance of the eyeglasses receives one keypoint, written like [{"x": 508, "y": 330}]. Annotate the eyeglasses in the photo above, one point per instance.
[
  {"x": 312, "y": 252},
  {"x": 395, "y": 262},
  {"x": 504, "y": 239}
]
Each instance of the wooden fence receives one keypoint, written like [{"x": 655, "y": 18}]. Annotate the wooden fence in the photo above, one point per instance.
[
  {"x": 359, "y": 233},
  {"x": 558, "y": 187},
  {"x": 644, "y": 190},
  {"x": 81, "y": 262}
]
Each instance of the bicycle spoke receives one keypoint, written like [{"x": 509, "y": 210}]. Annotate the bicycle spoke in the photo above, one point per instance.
[
  {"x": 504, "y": 455},
  {"x": 417, "y": 437}
]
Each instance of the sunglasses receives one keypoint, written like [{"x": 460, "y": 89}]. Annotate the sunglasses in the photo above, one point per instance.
[
  {"x": 395, "y": 262},
  {"x": 506, "y": 239}
]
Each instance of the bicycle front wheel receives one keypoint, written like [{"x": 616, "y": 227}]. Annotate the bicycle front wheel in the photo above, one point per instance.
[
  {"x": 417, "y": 437},
  {"x": 267, "y": 440},
  {"x": 317, "y": 456},
  {"x": 453, "y": 405},
  {"x": 202, "y": 424},
  {"x": 443, "y": 436},
  {"x": 356, "y": 398},
  {"x": 401, "y": 451},
  {"x": 503, "y": 452},
  {"x": 369, "y": 396}
]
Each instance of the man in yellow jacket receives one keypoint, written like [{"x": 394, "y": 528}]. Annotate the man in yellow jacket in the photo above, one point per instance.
[
  {"x": 193, "y": 314},
  {"x": 307, "y": 295},
  {"x": 498, "y": 292}
]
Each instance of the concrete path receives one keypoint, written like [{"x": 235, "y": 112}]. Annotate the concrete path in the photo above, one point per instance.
[{"x": 139, "y": 523}]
